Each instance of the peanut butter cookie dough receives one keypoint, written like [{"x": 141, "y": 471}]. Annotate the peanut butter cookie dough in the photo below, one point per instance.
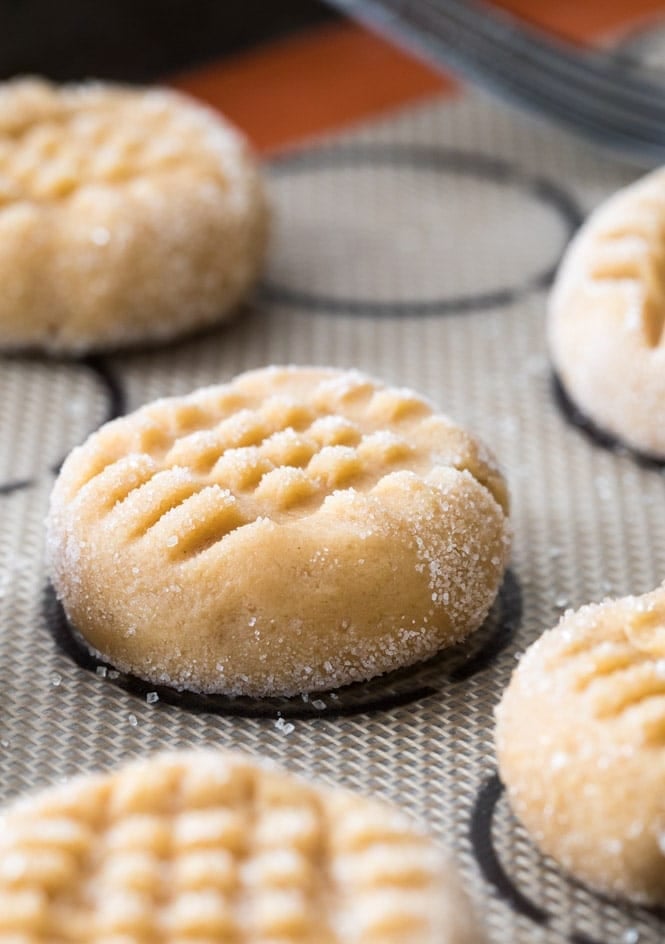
[
  {"x": 126, "y": 216},
  {"x": 292, "y": 531},
  {"x": 581, "y": 745},
  {"x": 208, "y": 846},
  {"x": 607, "y": 313}
]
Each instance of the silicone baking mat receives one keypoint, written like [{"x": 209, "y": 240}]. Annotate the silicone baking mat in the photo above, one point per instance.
[{"x": 418, "y": 248}]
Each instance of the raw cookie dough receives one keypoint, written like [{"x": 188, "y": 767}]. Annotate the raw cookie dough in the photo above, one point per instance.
[
  {"x": 607, "y": 313},
  {"x": 126, "y": 215},
  {"x": 581, "y": 745},
  {"x": 209, "y": 846},
  {"x": 291, "y": 531}
]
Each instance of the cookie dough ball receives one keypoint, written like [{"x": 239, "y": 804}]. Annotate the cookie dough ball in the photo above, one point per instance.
[
  {"x": 208, "y": 846},
  {"x": 607, "y": 314},
  {"x": 292, "y": 531},
  {"x": 581, "y": 745},
  {"x": 126, "y": 216}
]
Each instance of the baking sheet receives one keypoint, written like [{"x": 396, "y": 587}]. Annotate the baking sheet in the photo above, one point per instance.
[{"x": 418, "y": 248}]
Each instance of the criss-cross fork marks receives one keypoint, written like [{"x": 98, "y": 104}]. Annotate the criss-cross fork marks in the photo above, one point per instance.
[
  {"x": 634, "y": 251},
  {"x": 617, "y": 678},
  {"x": 220, "y": 462},
  {"x": 95, "y": 137},
  {"x": 204, "y": 850}
]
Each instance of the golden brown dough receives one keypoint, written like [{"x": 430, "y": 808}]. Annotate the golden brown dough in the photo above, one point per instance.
[
  {"x": 196, "y": 848},
  {"x": 607, "y": 313},
  {"x": 581, "y": 745},
  {"x": 294, "y": 530},
  {"x": 126, "y": 216}
]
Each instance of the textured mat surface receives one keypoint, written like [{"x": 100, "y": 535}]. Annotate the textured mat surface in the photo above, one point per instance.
[{"x": 419, "y": 249}]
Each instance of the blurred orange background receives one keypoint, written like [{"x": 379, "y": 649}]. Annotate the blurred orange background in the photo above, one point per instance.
[{"x": 335, "y": 74}]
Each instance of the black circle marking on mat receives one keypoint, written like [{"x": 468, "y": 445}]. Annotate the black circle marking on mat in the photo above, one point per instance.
[
  {"x": 110, "y": 384},
  {"x": 508, "y": 622},
  {"x": 600, "y": 437},
  {"x": 10, "y": 487},
  {"x": 440, "y": 160},
  {"x": 491, "y": 867},
  {"x": 393, "y": 690},
  {"x": 487, "y": 858},
  {"x": 116, "y": 400},
  {"x": 115, "y": 392}
]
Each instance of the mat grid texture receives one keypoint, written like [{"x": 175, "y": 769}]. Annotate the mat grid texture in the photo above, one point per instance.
[{"x": 419, "y": 249}]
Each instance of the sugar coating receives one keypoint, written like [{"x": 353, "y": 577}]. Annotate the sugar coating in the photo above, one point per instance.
[
  {"x": 208, "y": 846},
  {"x": 607, "y": 313},
  {"x": 580, "y": 740},
  {"x": 292, "y": 531},
  {"x": 125, "y": 215}
]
